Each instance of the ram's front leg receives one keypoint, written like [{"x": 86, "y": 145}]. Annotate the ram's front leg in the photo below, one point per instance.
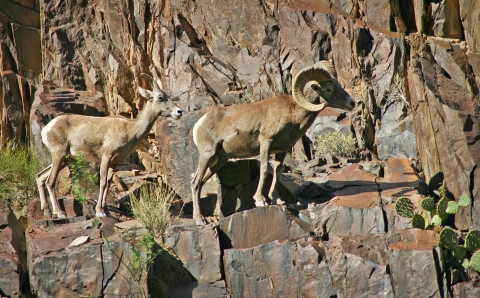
[
  {"x": 277, "y": 171},
  {"x": 260, "y": 199}
]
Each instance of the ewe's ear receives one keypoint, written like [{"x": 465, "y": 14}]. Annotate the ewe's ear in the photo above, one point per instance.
[{"x": 145, "y": 93}]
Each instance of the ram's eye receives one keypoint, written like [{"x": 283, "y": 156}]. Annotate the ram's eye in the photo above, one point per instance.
[{"x": 329, "y": 90}]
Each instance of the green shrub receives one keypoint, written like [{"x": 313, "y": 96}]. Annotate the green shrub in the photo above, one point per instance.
[
  {"x": 152, "y": 208},
  {"x": 18, "y": 167},
  {"x": 335, "y": 143},
  {"x": 84, "y": 180}
]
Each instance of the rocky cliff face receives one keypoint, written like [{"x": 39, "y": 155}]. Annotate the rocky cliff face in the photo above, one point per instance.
[{"x": 413, "y": 66}]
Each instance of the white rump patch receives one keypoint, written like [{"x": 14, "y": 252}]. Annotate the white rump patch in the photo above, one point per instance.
[
  {"x": 195, "y": 128},
  {"x": 46, "y": 129}
]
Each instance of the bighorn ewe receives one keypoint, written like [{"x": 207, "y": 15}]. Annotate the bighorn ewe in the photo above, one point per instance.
[
  {"x": 271, "y": 126},
  {"x": 108, "y": 140}
]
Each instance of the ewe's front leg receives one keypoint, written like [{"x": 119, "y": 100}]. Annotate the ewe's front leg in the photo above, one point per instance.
[
  {"x": 260, "y": 199},
  {"x": 277, "y": 171}
]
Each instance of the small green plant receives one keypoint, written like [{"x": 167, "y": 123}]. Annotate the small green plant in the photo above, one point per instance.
[
  {"x": 432, "y": 214},
  {"x": 83, "y": 180},
  {"x": 18, "y": 167},
  {"x": 336, "y": 143},
  {"x": 143, "y": 252},
  {"x": 152, "y": 208}
]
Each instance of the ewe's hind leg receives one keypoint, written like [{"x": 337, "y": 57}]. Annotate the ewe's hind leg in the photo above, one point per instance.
[
  {"x": 260, "y": 199},
  {"x": 102, "y": 195},
  {"x": 210, "y": 172},
  {"x": 41, "y": 178},
  {"x": 57, "y": 165},
  {"x": 204, "y": 163},
  {"x": 277, "y": 171}
]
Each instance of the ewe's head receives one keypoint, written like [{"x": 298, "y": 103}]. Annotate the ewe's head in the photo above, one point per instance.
[
  {"x": 159, "y": 103},
  {"x": 321, "y": 78}
]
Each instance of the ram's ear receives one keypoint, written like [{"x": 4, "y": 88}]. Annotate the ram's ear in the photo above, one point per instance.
[{"x": 145, "y": 93}]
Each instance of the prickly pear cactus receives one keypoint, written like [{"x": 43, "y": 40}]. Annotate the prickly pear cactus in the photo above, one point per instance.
[
  {"x": 404, "y": 207},
  {"x": 428, "y": 204},
  {"x": 442, "y": 206},
  {"x": 464, "y": 200},
  {"x": 472, "y": 241},
  {"x": 418, "y": 222},
  {"x": 452, "y": 207},
  {"x": 436, "y": 220},
  {"x": 466, "y": 264},
  {"x": 443, "y": 189},
  {"x": 475, "y": 261},
  {"x": 459, "y": 252},
  {"x": 448, "y": 238}
]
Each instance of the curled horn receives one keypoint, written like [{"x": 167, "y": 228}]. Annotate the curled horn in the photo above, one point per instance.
[
  {"x": 319, "y": 73},
  {"x": 155, "y": 86}
]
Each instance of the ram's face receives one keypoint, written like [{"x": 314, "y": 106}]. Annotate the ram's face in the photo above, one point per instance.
[{"x": 334, "y": 95}]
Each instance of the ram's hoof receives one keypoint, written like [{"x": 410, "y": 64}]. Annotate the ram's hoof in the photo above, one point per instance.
[
  {"x": 201, "y": 221},
  {"x": 261, "y": 203},
  {"x": 100, "y": 214},
  {"x": 61, "y": 215}
]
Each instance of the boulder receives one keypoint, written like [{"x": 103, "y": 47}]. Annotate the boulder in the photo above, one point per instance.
[
  {"x": 198, "y": 248},
  {"x": 93, "y": 268},
  {"x": 355, "y": 209},
  {"x": 413, "y": 256},
  {"x": 359, "y": 266},
  {"x": 287, "y": 268},
  {"x": 10, "y": 267},
  {"x": 259, "y": 226}
]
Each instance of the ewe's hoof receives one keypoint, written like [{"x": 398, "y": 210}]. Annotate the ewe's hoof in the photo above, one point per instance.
[
  {"x": 279, "y": 201},
  {"x": 100, "y": 214}
]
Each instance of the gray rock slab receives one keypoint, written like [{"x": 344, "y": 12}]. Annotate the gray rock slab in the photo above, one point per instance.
[
  {"x": 260, "y": 226},
  {"x": 278, "y": 269},
  {"x": 198, "y": 247},
  {"x": 359, "y": 266}
]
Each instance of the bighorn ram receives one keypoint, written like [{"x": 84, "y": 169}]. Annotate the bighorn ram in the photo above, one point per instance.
[
  {"x": 271, "y": 126},
  {"x": 108, "y": 140}
]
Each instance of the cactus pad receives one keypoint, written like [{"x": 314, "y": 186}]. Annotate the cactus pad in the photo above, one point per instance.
[
  {"x": 443, "y": 189},
  {"x": 475, "y": 261},
  {"x": 464, "y": 200},
  {"x": 436, "y": 220},
  {"x": 449, "y": 239},
  {"x": 418, "y": 222},
  {"x": 404, "y": 207},
  {"x": 459, "y": 252},
  {"x": 466, "y": 264},
  {"x": 428, "y": 204},
  {"x": 472, "y": 241},
  {"x": 442, "y": 206},
  {"x": 452, "y": 207}
]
